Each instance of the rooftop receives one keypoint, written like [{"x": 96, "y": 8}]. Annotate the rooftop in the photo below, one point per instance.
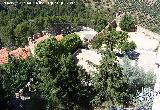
[
  {"x": 4, "y": 55},
  {"x": 23, "y": 53},
  {"x": 19, "y": 53}
]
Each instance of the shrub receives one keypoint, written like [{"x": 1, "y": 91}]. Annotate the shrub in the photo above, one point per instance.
[
  {"x": 71, "y": 42},
  {"x": 127, "y": 23},
  {"x": 47, "y": 47},
  {"x": 129, "y": 46},
  {"x": 137, "y": 78},
  {"x": 97, "y": 42}
]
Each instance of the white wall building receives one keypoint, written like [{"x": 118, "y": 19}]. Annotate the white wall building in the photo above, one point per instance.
[
  {"x": 86, "y": 34},
  {"x": 87, "y": 58}
]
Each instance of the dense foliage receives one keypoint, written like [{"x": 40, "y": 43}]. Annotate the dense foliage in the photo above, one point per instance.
[
  {"x": 127, "y": 23},
  {"x": 22, "y": 20},
  {"x": 129, "y": 46},
  {"x": 47, "y": 48},
  {"x": 58, "y": 83},
  {"x": 110, "y": 84},
  {"x": 21, "y": 33},
  {"x": 137, "y": 75},
  {"x": 98, "y": 41},
  {"x": 71, "y": 43},
  {"x": 14, "y": 76},
  {"x": 114, "y": 40},
  {"x": 145, "y": 12},
  {"x": 137, "y": 80},
  {"x": 130, "y": 79},
  {"x": 61, "y": 83}
]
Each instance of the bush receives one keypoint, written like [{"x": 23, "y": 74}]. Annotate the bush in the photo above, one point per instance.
[
  {"x": 47, "y": 48},
  {"x": 113, "y": 39},
  {"x": 97, "y": 42},
  {"x": 71, "y": 42},
  {"x": 127, "y": 23},
  {"x": 137, "y": 78},
  {"x": 129, "y": 46}
]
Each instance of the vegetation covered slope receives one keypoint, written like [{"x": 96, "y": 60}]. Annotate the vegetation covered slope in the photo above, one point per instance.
[
  {"x": 58, "y": 82},
  {"x": 21, "y": 20},
  {"x": 146, "y": 13}
]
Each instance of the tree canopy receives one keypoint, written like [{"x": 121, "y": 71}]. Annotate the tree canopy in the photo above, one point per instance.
[
  {"x": 35, "y": 18},
  {"x": 114, "y": 40},
  {"x": 109, "y": 82},
  {"x": 60, "y": 80},
  {"x": 14, "y": 75},
  {"x": 127, "y": 23},
  {"x": 71, "y": 42}
]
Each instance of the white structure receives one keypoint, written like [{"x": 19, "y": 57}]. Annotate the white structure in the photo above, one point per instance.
[
  {"x": 88, "y": 58},
  {"x": 86, "y": 34}
]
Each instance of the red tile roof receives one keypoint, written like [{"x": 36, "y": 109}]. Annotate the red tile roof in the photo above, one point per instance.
[
  {"x": 4, "y": 55},
  {"x": 19, "y": 53},
  {"x": 22, "y": 53}
]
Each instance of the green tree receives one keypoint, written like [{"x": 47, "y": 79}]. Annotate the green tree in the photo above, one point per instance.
[
  {"x": 113, "y": 40},
  {"x": 110, "y": 84},
  {"x": 16, "y": 72},
  {"x": 102, "y": 23},
  {"x": 3, "y": 98},
  {"x": 47, "y": 48},
  {"x": 127, "y": 23},
  {"x": 21, "y": 34},
  {"x": 129, "y": 46},
  {"x": 8, "y": 35},
  {"x": 71, "y": 42},
  {"x": 116, "y": 40},
  {"x": 97, "y": 41},
  {"x": 14, "y": 76},
  {"x": 38, "y": 24},
  {"x": 62, "y": 84}
]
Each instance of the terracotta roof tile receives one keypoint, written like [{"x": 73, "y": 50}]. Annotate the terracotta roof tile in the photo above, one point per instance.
[
  {"x": 23, "y": 53},
  {"x": 4, "y": 55},
  {"x": 59, "y": 37},
  {"x": 20, "y": 53}
]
